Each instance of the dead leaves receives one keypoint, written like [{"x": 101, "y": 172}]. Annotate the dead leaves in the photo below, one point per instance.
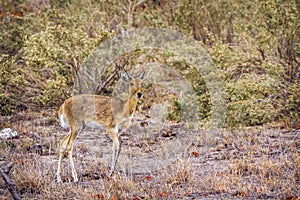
[
  {"x": 195, "y": 154},
  {"x": 149, "y": 178}
]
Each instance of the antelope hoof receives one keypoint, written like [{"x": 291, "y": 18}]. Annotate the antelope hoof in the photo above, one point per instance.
[{"x": 58, "y": 180}]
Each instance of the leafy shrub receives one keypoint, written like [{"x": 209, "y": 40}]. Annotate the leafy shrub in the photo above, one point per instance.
[
  {"x": 258, "y": 57},
  {"x": 43, "y": 70},
  {"x": 6, "y": 105},
  {"x": 11, "y": 37}
]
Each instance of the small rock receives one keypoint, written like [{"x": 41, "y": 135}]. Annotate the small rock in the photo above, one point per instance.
[{"x": 8, "y": 133}]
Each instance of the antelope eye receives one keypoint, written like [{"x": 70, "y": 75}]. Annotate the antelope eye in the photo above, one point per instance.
[{"x": 131, "y": 84}]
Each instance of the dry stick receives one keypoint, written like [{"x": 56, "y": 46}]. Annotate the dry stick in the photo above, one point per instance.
[
  {"x": 8, "y": 183},
  {"x": 99, "y": 88}
]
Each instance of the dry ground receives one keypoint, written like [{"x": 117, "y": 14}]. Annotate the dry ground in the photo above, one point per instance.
[{"x": 158, "y": 161}]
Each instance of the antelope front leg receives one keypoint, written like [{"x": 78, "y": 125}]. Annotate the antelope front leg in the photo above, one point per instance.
[{"x": 116, "y": 151}]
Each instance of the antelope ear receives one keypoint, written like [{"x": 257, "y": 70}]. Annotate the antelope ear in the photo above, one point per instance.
[
  {"x": 125, "y": 77},
  {"x": 141, "y": 76}
]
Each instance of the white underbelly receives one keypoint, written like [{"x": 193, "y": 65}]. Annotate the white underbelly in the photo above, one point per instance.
[{"x": 93, "y": 124}]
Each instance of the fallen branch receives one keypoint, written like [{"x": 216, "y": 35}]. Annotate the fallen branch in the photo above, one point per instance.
[{"x": 8, "y": 182}]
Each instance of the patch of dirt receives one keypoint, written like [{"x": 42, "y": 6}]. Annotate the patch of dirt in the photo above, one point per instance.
[{"x": 157, "y": 161}]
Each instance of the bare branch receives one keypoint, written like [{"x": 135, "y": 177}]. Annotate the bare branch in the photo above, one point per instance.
[{"x": 100, "y": 87}]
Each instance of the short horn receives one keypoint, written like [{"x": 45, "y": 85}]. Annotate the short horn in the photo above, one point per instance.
[
  {"x": 142, "y": 75},
  {"x": 125, "y": 77},
  {"x": 129, "y": 77}
]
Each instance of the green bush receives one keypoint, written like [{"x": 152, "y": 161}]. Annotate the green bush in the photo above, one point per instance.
[
  {"x": 6, "y": 105},
  {"x": 52, "y": 49},
  {"x": 11, "y": 27},
  {"x": 255, "y": 44}
]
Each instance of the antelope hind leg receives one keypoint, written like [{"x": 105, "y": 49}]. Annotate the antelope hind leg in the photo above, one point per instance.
[{"x": 61, "y": 150}]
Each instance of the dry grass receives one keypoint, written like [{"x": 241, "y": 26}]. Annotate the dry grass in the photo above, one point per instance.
[{"x": 250, "y": 163}]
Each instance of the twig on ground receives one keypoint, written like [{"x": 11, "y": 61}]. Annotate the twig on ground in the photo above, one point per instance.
[{"x": 8, "y": 182}]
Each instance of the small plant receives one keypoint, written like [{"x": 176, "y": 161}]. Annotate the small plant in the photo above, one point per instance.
[
  {"x": 174, "y": 114},
  {"x": 178, "y": 173}
]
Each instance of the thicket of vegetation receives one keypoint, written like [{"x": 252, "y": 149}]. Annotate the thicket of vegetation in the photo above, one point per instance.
[{"x": 255, "y": 44}]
